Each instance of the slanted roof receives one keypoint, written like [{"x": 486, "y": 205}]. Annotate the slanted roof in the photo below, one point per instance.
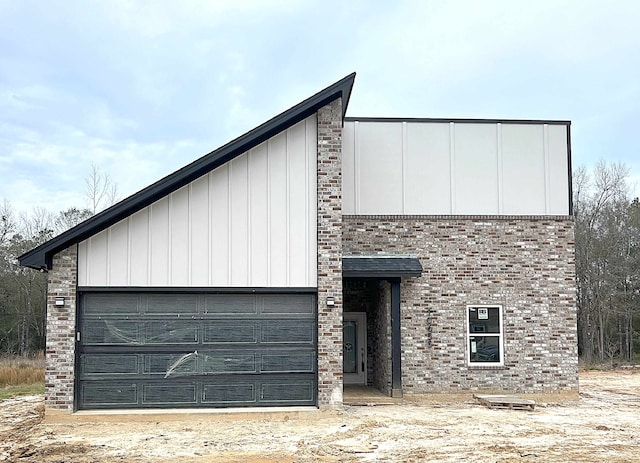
[
  {"x": 381, "y": 267},
  {"x": 41, "y": 257}
]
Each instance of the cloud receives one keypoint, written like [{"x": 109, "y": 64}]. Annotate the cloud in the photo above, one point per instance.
[
  {"x": 39, "y": 169},
  {"x": 142, "y": 88}
]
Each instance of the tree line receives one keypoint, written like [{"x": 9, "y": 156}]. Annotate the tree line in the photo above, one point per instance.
[
  {"x": 607, "y": 243},
  {"x": 607, "y": 239},
  {"x": 23, "y": 290}
]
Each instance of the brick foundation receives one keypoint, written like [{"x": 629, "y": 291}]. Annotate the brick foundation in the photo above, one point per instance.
[
  {"x": 525, "y": 264},
  {"x": 61, "y": 324},
  {"x": 330, "y": 254}
]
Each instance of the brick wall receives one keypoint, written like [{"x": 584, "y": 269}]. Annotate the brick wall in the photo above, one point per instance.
[
  {"x": 381, "y": 375},
  {"x": 61, "y": 323},
  {"x": 330, "y": 254},
  {"x": 525, "y": 264}
]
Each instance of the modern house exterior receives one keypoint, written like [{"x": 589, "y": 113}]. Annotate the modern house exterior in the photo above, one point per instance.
[{"x": 415, "y": 256}]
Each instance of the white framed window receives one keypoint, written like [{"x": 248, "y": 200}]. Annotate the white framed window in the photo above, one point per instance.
[{"x": 484, "y": 335}]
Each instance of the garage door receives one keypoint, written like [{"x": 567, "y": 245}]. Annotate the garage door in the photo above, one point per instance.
[{"x": 168, "y": 350}]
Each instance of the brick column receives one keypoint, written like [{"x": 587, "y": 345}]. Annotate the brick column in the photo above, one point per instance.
[
  {"x": 61, "y": 327},
  {"x": 330, "y": 254}
]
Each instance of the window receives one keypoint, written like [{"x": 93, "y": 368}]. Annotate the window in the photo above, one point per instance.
[{"x": 484, "y": 335}]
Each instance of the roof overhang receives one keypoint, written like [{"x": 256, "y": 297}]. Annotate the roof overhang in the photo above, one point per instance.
[
  {"x": 381, "y": 267},
  {"x": 41, "y": 257}
]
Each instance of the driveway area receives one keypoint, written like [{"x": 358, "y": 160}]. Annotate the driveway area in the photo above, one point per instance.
[{"x": 603, "y": 426}]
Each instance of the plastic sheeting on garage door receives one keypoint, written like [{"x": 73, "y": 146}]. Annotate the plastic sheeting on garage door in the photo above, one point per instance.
[{"x": 166, "y": 350}]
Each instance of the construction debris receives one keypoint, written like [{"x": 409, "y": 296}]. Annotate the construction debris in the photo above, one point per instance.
[{"x": 505, "y": 401}]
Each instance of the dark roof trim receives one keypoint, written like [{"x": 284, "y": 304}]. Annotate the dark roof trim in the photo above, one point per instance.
[
  {"x": 570, "y": 171},
  {"x": 462, "y": 120},
  {"x": 199, "y": 289},
  {"x": 381, "y": 267},
  {"x": 41, "y": 256}
]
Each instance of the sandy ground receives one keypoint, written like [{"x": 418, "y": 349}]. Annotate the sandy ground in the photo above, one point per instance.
[{"x": 603, "y": 426}]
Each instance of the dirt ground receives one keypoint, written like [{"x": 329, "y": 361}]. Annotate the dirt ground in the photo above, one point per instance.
[{"x": 603, "y": 426}]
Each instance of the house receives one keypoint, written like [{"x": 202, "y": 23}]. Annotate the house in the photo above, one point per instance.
[{"x": 317, "y": 250}]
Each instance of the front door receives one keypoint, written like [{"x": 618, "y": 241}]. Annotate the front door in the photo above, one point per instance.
[{"x": 354, "y": 332}]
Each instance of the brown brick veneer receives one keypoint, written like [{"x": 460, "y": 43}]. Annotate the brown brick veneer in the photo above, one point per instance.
[
  {"x": 61, "y": 327},
  {"x": 330, "y": 254},
  {"x": 525, "y": 264}
]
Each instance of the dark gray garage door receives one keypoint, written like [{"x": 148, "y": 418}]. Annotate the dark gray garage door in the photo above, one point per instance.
[{"x": 168, "y": 350}]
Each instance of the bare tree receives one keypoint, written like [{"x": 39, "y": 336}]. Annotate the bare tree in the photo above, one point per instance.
[
  {"x": 22, "y": 290},
  {"x": 71, "y": 217},
  {"x": 37, "y": 226},
  {"x": 7, "y": 223},
  {"x": 101, "y": 191}
]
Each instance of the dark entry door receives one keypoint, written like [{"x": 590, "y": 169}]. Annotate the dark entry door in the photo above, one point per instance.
[{"x": 170, "y": 350}]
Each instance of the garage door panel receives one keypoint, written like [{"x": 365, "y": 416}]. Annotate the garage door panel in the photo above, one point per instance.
[
  {"x": 192, "y": 350},
  {"x": 108, "y": 365},
  {"x": 288, "y": 332},
  {"x": 171, "y": 365},
  {"x": 110, "y": 332},
  {"x": 111, "y": 303},
  {"x": 171, "y": 332},
  {"x": 169, "y": 393},
  {"x": 230, "y": 304},
  {"x": 240, "y": 391},
  {"x": 228, "y": 362},
  {"x": 197, "y": 363},
  {"x": 231, "y": 394},
  {"x": 108, "y": 394},
  {"x": 230, "y": 332},
  {"x": 287, "y": 391},
  {"x": 287, "y": 304},
  {"x": 285, "y": 362},
  {"x": 171, "y": 304}
]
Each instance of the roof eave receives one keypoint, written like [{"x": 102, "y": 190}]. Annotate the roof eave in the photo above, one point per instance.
[{"x": 380, "y": 275}]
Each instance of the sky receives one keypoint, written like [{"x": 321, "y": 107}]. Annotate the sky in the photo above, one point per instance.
[{"x": 142, "y": 88}]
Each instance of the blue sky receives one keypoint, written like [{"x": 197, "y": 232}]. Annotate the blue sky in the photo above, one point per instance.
[{"x": 141, "y": 88}]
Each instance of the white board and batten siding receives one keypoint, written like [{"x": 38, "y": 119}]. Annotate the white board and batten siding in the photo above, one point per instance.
[
  {"x": 249, "y": 223},
  {"x": 455, "y": 168}
]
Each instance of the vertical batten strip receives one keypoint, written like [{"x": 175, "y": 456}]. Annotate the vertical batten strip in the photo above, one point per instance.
[
  {"x": 169, "y": 238},
  {"x": 313, "y": 204},
  {"x": 404, "y": 164},
  {"x": 229, "y": 214},
  {"x": 249, "y": 230},
  {"x": 306, "y": 202},
  {"x": 356, "y": 166},
  {"x": 288, "y": 206},
  {"x": 149, "y": 244},
  {"x": 547, "y": 174},
  {"x": 210, "y": 228},
  {"x": 189, "y": 233},
  {"x": 268, "y": 155},
  {"x": 88, "y": 263},
  {"x": 82, "y": 267},
  {"x": 452, "y": 165},
  {"x": 148, "y": 269},
  {"x": 128, "y": 254},
  {"x": 499, "y": 167},
  {"x": 108, "y": 256}
]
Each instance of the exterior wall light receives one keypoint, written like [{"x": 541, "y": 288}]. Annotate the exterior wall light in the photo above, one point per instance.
[
  {"x": 330, "y": 301},
  {"x": 59, "y": 302}
]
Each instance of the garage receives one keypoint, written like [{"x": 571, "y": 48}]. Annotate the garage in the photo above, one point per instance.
[{"x": 195, "y": 349}]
